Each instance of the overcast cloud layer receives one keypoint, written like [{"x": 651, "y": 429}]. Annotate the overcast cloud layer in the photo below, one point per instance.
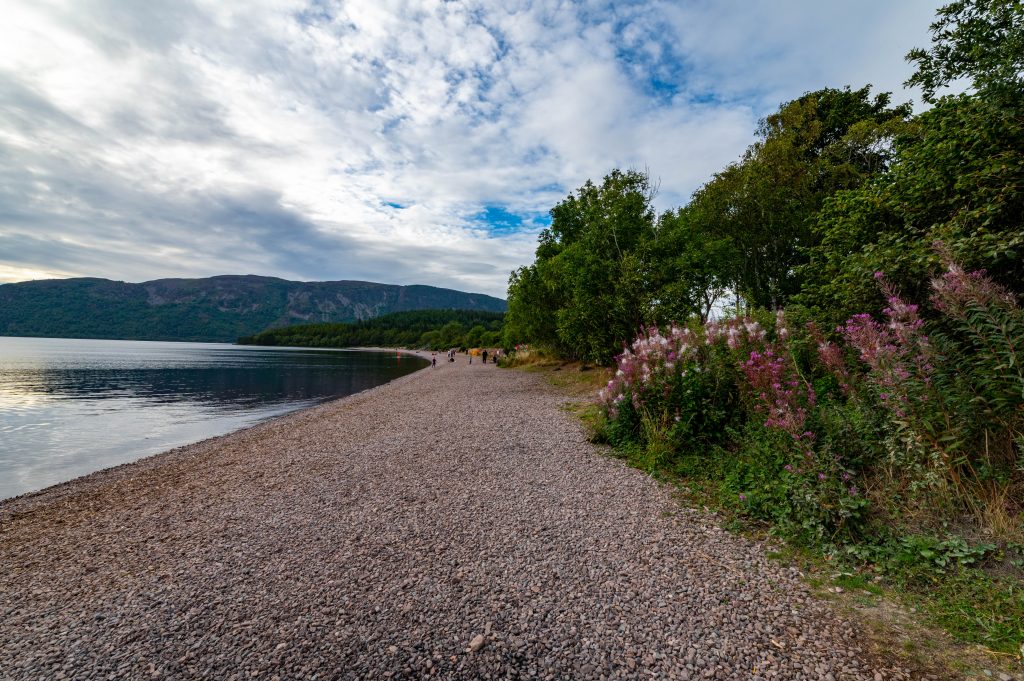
[{"x": 400, "y": 142}]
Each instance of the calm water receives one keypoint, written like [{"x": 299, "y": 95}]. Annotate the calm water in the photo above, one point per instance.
[{"x": 71, "y": 407}]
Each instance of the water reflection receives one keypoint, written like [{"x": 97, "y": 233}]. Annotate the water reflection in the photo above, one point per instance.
[{"x": 68, "y": 407}]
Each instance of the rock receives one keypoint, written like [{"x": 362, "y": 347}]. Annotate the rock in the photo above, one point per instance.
[{"x": 477, "y": 643}]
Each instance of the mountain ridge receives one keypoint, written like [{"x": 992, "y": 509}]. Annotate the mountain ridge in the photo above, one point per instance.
[{"x": 218, "y": 308}]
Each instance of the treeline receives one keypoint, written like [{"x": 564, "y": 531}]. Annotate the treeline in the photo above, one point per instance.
[
  {"x": 839, "y": 184},
  {"x": 428, "y": 329},
  {"x": 829, "y": 333}
]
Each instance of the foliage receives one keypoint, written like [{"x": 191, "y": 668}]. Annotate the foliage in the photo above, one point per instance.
[
  {"x": 978, "y": 39},
  {"x": 691, "y": 272},
  {"x": 586, "y": 295},
  {"x": 430, "y": 329},
  {"x": 958, "y": 179},
  {"x": 762, "y": 206},
  {"x": 884, "y": 406}
]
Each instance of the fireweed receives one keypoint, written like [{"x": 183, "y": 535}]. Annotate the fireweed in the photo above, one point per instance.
[
  {"x": 662, "y": 379},
  {"x": 990, "y": 331},
  {"x": 900, "y": 369},
  {"x": 646, "y": 369},
  {"x": 954, "y": 395},
  {"x": 926, "y": 402}
]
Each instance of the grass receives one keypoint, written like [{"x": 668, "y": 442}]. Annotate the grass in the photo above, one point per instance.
[
  {"x": 967, "y": 622},
  {"x": 906, "y": 624}
]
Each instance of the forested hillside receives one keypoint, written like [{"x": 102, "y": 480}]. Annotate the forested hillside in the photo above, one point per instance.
[
  {"x": 828, "y": 337},
  {"x": 213, "y": 309},
  {"x": 430, "y": 329}
]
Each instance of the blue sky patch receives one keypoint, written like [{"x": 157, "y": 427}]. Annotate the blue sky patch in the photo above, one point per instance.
[{"x": 498, "y": 220}]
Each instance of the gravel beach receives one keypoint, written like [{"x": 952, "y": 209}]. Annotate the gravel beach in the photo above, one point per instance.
[{"x": 454, "y": 523}]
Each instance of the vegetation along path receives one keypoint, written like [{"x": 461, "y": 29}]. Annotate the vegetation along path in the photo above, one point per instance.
[{"x": 454, "y": 523}]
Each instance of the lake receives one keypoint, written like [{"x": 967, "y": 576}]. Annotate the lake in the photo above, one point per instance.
[{"x": 70, "y": 407}]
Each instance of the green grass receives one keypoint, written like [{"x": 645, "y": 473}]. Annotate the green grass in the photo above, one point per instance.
[{"x": 978, "y": 608}]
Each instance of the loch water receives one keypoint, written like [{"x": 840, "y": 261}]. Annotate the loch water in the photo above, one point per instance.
[{"x": 69, "y": 407}]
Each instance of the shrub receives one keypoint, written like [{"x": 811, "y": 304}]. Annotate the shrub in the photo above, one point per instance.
[{"x": 923, "y": 414}]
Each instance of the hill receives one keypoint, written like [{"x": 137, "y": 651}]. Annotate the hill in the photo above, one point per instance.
[{"x": 212, "y": 309}]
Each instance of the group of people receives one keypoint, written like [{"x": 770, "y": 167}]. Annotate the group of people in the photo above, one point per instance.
[{"x": 483, "y": 356}]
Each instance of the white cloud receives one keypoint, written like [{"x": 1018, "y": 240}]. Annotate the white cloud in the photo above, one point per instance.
[{"x": 361, "y": 140}]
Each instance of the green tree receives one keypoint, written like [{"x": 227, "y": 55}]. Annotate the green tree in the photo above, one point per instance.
[
  {"x": 533, "y": 304},
  {"x": 958, "y": 179},
  {"x": 589, "y": 291},
  {"x": 982, "y": 40},
  {"x": 474, "y": 337},
  {"x": 690, "y": 268},
  {"x": 761, "y": 207}
]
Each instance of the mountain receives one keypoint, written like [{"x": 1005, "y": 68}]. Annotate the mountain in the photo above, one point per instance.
[{"x": 212, "y": 309}]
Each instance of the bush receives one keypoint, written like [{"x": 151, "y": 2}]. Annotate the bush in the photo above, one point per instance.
[{"x": 896, "y": 417}]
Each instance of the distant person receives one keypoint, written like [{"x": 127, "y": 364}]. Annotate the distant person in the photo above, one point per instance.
[
  {"x": 433, "y": 361},
  {"x": 485, "y": 356}
]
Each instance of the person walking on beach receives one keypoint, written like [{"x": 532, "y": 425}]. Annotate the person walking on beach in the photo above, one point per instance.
[
  {"x": 433, "y": 361},
  {"x": 485, "y": 356}
]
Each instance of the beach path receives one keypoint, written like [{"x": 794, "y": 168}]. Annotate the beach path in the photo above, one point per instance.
[{"x": 455, "y": 523}]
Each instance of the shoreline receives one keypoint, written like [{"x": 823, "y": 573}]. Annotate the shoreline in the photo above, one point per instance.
[
  {"x": 98, "y": 476},
  {"x": 453, "y": 523}
]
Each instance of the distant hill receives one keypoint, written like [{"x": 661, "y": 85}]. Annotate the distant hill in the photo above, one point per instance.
[{"x": 212, "y": 309}]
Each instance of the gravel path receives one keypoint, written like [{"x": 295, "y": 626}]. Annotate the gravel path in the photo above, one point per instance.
[{"x": 453, "y": 523}]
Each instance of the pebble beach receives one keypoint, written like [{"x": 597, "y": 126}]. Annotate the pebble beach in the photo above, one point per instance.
[{"x": 454, "y": 524}]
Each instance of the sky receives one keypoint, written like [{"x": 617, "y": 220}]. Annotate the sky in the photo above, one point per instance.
[{"x": 403, "y": 142}]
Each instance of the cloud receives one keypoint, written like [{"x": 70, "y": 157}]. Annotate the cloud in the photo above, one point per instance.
[{"x": 386, "y": 140}]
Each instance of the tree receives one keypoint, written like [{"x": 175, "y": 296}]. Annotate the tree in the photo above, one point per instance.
[
  {"x": 982, "y": 40},
  {"x": 475, "y": 336},
  {"x": 588, "y": 292},
  {"x": 690, "y": 268},
  {"x": 533, "y": 304},
  {"x": 761, "y": 207}
]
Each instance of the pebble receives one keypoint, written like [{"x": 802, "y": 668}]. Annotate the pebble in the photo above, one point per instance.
[{"x": 477, "y": 643}]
